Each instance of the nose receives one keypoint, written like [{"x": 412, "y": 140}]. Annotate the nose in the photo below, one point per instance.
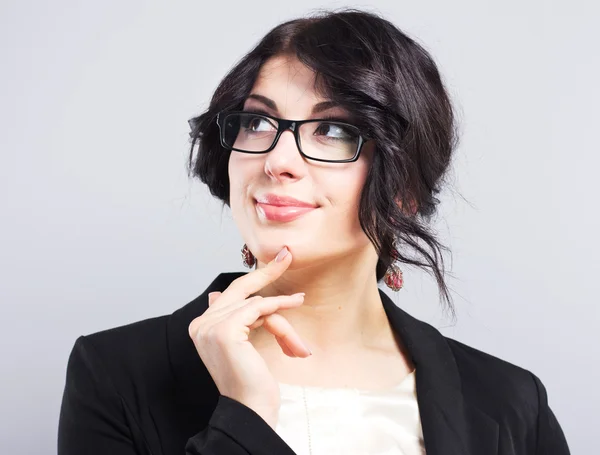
[{"x": 284, "y": 162}]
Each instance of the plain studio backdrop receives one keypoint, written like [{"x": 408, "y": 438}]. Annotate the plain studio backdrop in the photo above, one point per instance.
[{"x": 102, "y": 227}]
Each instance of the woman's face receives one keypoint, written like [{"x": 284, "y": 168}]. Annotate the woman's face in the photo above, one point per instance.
[{"x": 330, "y": 228}]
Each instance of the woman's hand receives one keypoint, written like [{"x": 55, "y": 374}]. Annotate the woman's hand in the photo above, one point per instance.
[{"x": 221, "y": 337}]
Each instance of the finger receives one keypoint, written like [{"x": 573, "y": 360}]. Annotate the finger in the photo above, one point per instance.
[
  {"x": 254, "y": 281},
  {"x": 257, "y": 324},
  {"x": 260, "y": 321},
  {"x": 285, "y": 349},
  {"x": 286, "y": 336},
  {"x": 220, "y": 311},
  {"x": 281, "y": 342},
  {"x": 248, "y": 314},
  {"x": 212, "y": 297}
]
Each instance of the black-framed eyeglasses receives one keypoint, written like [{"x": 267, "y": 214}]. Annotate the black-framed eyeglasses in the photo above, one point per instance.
[{"x": 325, "y": 140}]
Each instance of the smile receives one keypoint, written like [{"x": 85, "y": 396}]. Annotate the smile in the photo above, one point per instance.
[{"x": 281, "y": 213}]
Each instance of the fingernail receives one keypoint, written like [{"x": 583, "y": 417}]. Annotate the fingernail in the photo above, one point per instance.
[
  {"x": 283, "y": 253},
  {"x": 308, "y": 349},
  {"x": 298, "y": 294}
]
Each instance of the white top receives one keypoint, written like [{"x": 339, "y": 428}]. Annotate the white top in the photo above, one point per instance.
[{"x": 349, "y": 421}]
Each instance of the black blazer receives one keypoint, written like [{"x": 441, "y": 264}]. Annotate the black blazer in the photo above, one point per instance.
[{"x": 142, "y": 389}]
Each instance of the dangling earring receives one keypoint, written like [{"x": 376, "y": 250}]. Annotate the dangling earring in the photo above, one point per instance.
[
  {"x": 393, "y": 275},
  {"x": 247, "y": 257}
]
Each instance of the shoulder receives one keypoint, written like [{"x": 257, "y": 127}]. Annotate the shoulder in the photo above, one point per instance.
[
  {"x": 110, "y": 374},
  {"x": 134, "y": 350},
  {"x": 503, "y": 389},
  {"x": 474, "y": 364},
  {"x": 131, "y": 338},
  {"x": 147, "y": 351},
  {"x": 513, "y": 395}
]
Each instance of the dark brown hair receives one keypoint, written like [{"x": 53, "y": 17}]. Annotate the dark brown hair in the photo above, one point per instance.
[{"x": 389, "y": 82}]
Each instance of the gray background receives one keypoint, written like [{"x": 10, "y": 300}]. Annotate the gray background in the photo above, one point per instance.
[{"x": 101, "y": 226}]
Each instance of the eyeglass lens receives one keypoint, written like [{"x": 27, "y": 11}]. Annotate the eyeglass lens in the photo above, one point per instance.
[{"x": 327, "y": 140}]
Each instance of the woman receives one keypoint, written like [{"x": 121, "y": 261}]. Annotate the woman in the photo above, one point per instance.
[{"x": 329, "y": 142}]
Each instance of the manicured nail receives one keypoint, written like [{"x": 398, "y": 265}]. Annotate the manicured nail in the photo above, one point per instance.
[{"x": 283, "y": 253}]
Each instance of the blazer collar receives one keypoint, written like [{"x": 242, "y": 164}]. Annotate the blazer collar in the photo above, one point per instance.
[{"x": 451, "y": 425}]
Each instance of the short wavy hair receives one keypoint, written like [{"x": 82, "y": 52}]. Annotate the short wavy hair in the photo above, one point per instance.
[{"x": 392, "y": 85}]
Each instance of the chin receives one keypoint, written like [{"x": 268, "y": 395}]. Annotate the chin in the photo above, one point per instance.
[{"x": 265, "y": 247}]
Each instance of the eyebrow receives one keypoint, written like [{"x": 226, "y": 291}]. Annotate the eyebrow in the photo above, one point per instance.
[{"x": 319, "y": 107}]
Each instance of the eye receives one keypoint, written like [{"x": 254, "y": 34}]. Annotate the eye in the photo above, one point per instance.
[
  {"x": 258, "y": 124},
  {"x": 335, "y": 131}
]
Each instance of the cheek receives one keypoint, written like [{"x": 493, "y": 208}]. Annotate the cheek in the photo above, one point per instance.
[
  {"x": 344, "y": 193},
  {"x": 236, "y": 186},
  {"x": 233, "y": 170},
  {"x": 239, "y": 173},
  {"x": 244, "y": 175}
]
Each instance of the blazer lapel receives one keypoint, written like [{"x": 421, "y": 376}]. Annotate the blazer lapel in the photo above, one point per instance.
[{"x": 451, "y": 426}]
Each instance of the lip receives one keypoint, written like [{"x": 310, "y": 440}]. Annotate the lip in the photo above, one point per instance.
[
  {"x": 282, "y": 208},
  {"x": 283, "y": 201},
  {"x": 281, "y": 213}
]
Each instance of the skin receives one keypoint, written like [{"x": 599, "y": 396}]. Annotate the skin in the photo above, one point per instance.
[{"x": 254, "y": 334}]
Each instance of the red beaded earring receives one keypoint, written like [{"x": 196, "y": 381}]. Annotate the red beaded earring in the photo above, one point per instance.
[
  {"x": 393, "y": 277},
  {"x": 247, "y": 257}
]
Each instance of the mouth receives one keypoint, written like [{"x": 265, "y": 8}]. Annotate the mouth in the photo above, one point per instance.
[
  {"x": 281, "y": 213},
  {"x": 281, "y": 208}
]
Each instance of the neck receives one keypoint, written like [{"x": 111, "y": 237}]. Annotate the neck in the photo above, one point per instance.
[{"x": 342, "y": 307}]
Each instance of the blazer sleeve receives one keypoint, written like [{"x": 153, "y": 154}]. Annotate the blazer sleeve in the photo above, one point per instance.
[
  {"x": 550, "y": 436},
  {"x": 92, "y": 419},
  {"x": 95, "y": 420},
  {"x": 236, "y": 429}
]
